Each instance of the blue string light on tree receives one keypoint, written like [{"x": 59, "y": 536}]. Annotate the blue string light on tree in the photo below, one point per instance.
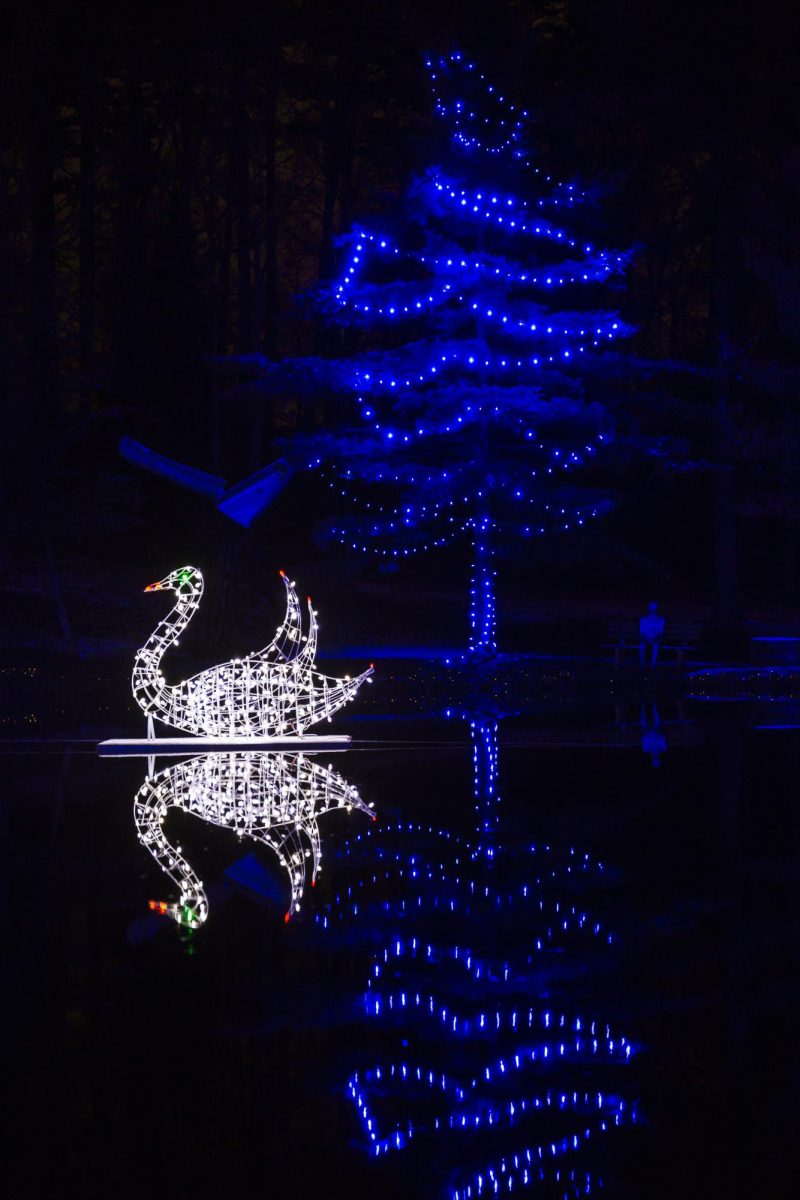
[
  {"x": 479, "y": 117},
  {"x": 487, "y": 367}
]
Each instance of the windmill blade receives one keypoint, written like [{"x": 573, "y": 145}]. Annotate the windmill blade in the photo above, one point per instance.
[
  {"x": 176, "y": 472},
  {"x": 242, "y": 503},
  {"x": 245, "y": 501}
]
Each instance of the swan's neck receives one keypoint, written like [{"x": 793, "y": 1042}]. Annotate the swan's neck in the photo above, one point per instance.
[
  {"x": 148, "y": 683},
  {"x": 150, "y": 806}
]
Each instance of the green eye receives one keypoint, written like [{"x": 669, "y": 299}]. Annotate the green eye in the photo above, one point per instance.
[{"x": 184, "y": 575}]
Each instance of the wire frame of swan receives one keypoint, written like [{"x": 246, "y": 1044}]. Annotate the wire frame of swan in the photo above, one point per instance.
[
  {"x": 270, "y": 693},
  {"x": 275, "y": 799}
]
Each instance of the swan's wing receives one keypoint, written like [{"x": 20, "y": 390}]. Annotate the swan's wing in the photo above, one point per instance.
[
  {"x": 289, "y": 848},
  {"x": 305, "y": 658},
  {"x": 285, "y": 646}
]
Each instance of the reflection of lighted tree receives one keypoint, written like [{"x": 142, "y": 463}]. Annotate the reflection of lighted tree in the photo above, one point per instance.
[
  {"x": 272, "y": 798},
  {"x": 483, "y": 1049}
]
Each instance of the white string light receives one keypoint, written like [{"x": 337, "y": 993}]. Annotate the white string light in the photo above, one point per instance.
[
  {"x": 271, "y": 798},
  {"x": 269, "y": 693}
]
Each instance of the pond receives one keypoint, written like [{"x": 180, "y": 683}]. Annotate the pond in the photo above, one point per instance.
[{"x": 556, "y": 964}]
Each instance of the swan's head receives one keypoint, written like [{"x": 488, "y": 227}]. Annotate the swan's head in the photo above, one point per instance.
[
  {"x": 190, "y": 912},
  {"x": 186, "y": 582}
]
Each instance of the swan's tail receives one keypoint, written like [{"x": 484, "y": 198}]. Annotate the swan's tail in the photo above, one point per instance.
[{"x": 326, "y": 695}]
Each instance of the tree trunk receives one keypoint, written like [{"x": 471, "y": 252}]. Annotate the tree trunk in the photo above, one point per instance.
[
  {"x": 731, "y": 853},
  {"x": 790, "y": 548},
  {"x": 482, "y": 588},
  {"x": 86, "y": 243},
  {"x": 9, "y": 394},
  {"x": 331, "y": 169},
  {"x": 132, "y": 336},
  {"x": 57, "y": 592},
  {"x": 42, "y": 344},
  {"x": 790, "y": 466},
  {"x": 240, "y": 181},
  {"x": 483, "y": 736},
  {"x": 270, "y": 292},
  {"x": 221, "y": 332},
  {"x": 261, "y": 422},
  {"x": 725, "y": 554},
  {"x": 43, "y": 349},
  {"x": 338, "y": 153}
]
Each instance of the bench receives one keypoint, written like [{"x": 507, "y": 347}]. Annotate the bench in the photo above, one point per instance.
[{"x": 680, "y": 637}]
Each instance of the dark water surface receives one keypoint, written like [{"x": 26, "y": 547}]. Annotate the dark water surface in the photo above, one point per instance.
[{"x": 547, "y": 969}]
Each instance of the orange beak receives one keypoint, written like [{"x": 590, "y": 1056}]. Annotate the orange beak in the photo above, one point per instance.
[{"x": 154, "y": 587}]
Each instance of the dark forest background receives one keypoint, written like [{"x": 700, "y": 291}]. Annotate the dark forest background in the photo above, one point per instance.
[{"x": 174, "y": 178}]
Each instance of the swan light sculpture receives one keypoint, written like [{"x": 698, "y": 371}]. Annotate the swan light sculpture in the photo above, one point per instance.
[
  {"x": 273, "y": 692},
  {"x": 275, "y": 799}
]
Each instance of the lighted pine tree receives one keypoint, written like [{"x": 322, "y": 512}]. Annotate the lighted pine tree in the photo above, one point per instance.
[{"x": 489, "y": 298}]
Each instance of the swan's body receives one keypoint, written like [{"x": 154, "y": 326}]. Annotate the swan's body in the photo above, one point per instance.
[
  {"x": 271, "y": 798},
  {"x": 271, "y": 692}
]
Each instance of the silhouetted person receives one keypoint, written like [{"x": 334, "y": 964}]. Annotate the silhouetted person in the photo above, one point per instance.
[
  {"x": 651, "y": 631},
  {"x": 654, "y": 742}
]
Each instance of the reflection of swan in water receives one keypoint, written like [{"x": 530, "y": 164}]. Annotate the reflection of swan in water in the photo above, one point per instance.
[
  {"x": 271, "y": 798},
  {"x": 271, "y": 692}
]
